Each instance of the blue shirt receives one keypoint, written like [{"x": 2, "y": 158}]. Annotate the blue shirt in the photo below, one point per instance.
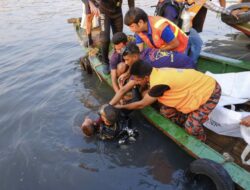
[
  {"x": 162, "y": 58},
  {"x": 167, "y": 35}
]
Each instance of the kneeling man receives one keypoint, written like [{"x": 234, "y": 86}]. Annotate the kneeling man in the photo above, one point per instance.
[{"x": 186, "y": 96}]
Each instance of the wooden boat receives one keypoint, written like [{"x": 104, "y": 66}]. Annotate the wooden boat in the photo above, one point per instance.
[
  {"x": 243, "y": 22},
  {"x": 215, "y": 145}
]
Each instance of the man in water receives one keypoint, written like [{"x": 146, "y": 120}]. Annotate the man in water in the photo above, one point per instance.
[{"x": 111, "y": 125}]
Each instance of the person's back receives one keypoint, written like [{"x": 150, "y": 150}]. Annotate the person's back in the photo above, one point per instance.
[
  {"x": 162, "y": 58},
  {"x": 157, "y": 58},
  {"x": 188, "y": 88}
]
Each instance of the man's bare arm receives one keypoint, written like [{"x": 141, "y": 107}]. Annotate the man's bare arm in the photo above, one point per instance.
[
  {"x": 147, "y": 100},
  {"x": 118, "y": 96},
  {"x": 114, "y": 80}
]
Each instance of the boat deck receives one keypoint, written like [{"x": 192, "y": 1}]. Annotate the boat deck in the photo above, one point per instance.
[{"x": 224, "y": 144}]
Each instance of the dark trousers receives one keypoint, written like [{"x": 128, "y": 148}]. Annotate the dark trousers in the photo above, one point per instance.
[
  {"x": 116, "y": 23},
  {"x": 199, "y": 19}
]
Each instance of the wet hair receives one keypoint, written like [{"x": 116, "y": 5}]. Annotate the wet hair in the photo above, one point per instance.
[
  {"x": 141, "y": 69},
  {"x": 88, "y": 130},
  {"x": 134, "y": 15},
  {"x": 119, "y": 37},
  {"x": 131, "y": 48},
  {"x": 110, "y": 113}
]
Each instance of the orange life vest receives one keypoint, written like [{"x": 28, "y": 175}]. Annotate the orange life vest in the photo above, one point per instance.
[
  {"x": 189, "y": 89},
  {"x": 158, "y": 24}
]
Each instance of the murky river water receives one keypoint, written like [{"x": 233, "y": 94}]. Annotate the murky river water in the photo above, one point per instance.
[{"x": 44, "y": 96}]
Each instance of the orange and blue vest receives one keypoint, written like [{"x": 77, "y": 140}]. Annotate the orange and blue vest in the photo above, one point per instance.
[
  {"x": 189, "y": 89},
  {"x": 158, "y": 24}
]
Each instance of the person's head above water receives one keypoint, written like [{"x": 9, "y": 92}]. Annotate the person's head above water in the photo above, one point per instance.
[
  {"x": 87, "y": 127},
  {"x": 109, "y": 114}
]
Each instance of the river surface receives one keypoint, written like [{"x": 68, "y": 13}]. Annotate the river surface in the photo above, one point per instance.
[{"x": 44, "y": 96}]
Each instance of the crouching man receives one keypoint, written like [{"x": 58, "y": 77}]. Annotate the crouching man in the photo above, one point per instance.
[{"x": 186, "y": 96}]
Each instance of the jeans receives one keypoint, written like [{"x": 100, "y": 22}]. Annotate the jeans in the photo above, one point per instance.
[{"x": 194, "y": 45}]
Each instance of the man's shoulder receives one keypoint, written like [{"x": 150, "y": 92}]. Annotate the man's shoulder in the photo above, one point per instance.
[
  {"x": 115, "y": 56},
  {"x": 115, "y": 59}
]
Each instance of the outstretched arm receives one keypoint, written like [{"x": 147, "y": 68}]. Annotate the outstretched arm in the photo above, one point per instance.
[
  {"x": 118, "y": 96},
  {"x": 218, "y": 9},
  {"x": 114, "y": 80},
  {"x": 147, "y": 100}
]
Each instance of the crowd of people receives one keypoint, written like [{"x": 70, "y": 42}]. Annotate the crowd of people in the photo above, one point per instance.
[{"x": 160, "y": 64}]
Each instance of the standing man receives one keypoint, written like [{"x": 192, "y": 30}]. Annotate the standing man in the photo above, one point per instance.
[
  {"x": 184, "y": 16},
  {"x": 111, "y": 16},
  {"x": 199, "y": 20},
  {"x": 172, "y": 11},
  {"x": 155, "y": 31},
  {"x": 91, "y": 10}
]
